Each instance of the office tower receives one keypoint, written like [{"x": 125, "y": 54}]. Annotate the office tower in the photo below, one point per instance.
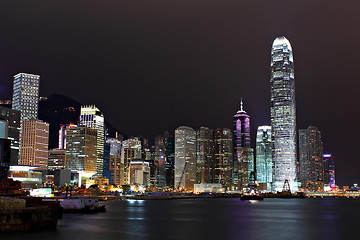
[
  {"x": 11, "y": 119},
  {"x": 311, "y": 164},
  {"x": 116, "y": 168},
  {"x": 263, "y": 156},
  {"x": 160, "y": 163},
  {"x": 92, "y": 117},
  {"x": 62, "y": 137},
  {"x": 185, "y": 158},
  {"x": 106, "y": 163},
  {"x": 131, "y": 149},
  {"x": 243, "y": 154},
  {"x": 223, "y": 151},
  {"x": 241, "y": 129},
  {"x": 81, "y": 150},
  {"x": 26, "y": 95},
  {"x": 170, "y": 161},
  {"x": 329, "y": 172},
  {"x": 139, "y": 173},
  {"x": 56, "y": 159},
  {"x": 205, "y": 158},
  {"x": 283, "y": 115},
  {"x": 34, "y": 143},
  {"x": 134, "y": 143}
]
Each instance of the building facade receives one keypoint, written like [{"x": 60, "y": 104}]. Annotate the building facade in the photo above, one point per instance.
[
  {"x": 92, "y": 117},
  {"x": 263, "y": 156},
  {"x": 283, "y": 115},
  {"x": 81, "y": 150},
  {"x": 223, "y": 149},
  {"x": 56, "y": 159},
  {"x": 26, "y": 95},
  {"x": 12, "y": 119},
  {"x": 329, "y": 172},
  {"x": 34, "y": 143},
  {"x": 205, "y": 158},
  {"x": 311, "y": 164},
  {"x": 185, "y": 158}
]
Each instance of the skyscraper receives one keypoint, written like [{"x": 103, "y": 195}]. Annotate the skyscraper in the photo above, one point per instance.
[
  {"x": 311, "y": 164},
  {"x": 185, "y": 158},
  {"x": 81, "y": 150},
  {"x": 34, "y": 143},
  {"x": 223, "y": 148},
  {"x": 26, "y": 95},
  {"x": 241, "y": 128},
  {"x": 205, "y": 155},
  {"x": 263, "y": 156},
  {"x": 283, "y": 115},
  {"x": 329, "y": 172},
  {"x": 12, "y": 119},
  {"x": 92, "y": 117},
  {"x": 243, "y": 154}
]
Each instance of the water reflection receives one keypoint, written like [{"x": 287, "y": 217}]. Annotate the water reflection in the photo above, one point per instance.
[{"x": 210, "y": 219}]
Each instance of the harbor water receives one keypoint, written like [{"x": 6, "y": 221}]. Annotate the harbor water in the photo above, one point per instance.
[{"x": 212, "y": 218}]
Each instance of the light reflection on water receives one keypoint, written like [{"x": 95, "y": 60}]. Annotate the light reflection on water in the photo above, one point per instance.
[{"x": 210, "y": 219}]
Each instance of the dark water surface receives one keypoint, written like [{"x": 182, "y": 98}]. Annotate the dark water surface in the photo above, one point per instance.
[{"x": 210, "y": 219}]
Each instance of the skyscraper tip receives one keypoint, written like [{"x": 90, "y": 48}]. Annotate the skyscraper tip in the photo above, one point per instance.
[{"x": 281, "y": 41}]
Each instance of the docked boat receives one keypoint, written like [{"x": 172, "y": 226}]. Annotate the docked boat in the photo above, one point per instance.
[
  {"x": 24, "y": 214},
  {"x": 81, "y": 205},
  {"x": 257, "y": 197}
]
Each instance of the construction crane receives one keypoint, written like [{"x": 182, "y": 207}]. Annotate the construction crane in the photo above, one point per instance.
[{"x": 182, "y": 175}]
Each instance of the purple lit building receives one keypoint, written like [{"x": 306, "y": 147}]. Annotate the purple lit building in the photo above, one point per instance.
[
  {"x": 243, "y": 153},
  {"x": 329, "y": 172},
  {"x": 241, "y": 129}
]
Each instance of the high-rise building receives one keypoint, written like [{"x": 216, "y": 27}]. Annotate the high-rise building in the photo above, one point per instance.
[
  {"x": 56, "y": 159},
  {"x": 311, "y": 165},
  {"x": 34, "y": 143},
  {"x": 92, "y": 117},
  {"x": 116, "y": 168},
  {"x": 5, "y": 151},
  {"x": 131, "y": 149},
  {"x": 243, "y": 153},
  {"x": 185, "y": 158},
  {"x": 170, "y": 160},
  {"x": 283, "y": 115},
  {"x": 11, "y": 120},
  {"x": 241, "y": 129},
  {"x": 26, "y": 95},
  {"x": 223, "y": 149},
  {"x": 329, "y": 172},
  {"x": 81, "y": 150},
  {"x": 139, "y": 173},
  {"x": 205, "y": 158},
  {"x": 263, "y": 156}
]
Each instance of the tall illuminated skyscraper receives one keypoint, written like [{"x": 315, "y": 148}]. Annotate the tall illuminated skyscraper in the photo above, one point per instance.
[
  {"x": 26, "y": 95},
  {"x": 243, "y": 154},
  {"x": 92, "y": 117},
  {"x": 185, "y": 158},
  {"x": 223, "y": 149},
  {"x": 311, "y": 159},
  {"x": 241, "y": 129},
  {"x": 283, "y": 115},
  {"x": 34, "y": 143},
  {"x": 205, "y": 155},
  {"x": 263, "y": 156}
]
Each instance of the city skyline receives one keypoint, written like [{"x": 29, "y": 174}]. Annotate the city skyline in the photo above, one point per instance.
[{"x": 226, "y": 58}]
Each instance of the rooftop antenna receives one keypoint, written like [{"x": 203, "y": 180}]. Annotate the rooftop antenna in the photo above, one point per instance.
[{"x": 241, "y": 105}]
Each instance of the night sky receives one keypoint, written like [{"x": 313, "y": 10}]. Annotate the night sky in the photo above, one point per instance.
[{"x": 153, "y": 65}]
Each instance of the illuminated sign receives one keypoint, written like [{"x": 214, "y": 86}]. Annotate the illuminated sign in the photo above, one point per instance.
[{"x": 41, "y": 192}]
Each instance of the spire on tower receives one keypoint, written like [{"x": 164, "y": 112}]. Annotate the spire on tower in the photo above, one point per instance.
[{"x": 241, "y": 105}]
